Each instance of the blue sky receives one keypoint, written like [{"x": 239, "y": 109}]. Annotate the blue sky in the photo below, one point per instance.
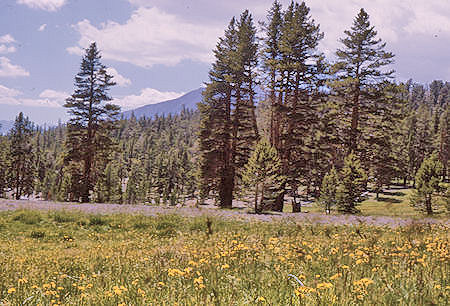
[{"x": 159, "y": 49}]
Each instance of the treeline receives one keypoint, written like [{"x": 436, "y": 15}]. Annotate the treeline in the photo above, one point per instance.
[
  {"x": 331, "y": 129},
  {"x": 152, "y": 162}
]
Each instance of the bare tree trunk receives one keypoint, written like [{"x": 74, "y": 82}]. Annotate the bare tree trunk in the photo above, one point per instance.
[
  {"x": 256, "y": 199},
  {"x": 428, "y": 204},
  {"x": 353, "y": 142}
]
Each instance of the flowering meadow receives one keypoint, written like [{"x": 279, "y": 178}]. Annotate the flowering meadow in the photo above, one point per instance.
[{"x": 74, "y": 258}]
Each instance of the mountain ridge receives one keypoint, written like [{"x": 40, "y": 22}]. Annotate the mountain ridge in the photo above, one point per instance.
[
  {"x": 5, "y": 126},
  {"x": 174, "y": 106}
]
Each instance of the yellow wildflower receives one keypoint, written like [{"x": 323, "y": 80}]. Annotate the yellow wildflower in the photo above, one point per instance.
[{"x": 324, "y": 285}]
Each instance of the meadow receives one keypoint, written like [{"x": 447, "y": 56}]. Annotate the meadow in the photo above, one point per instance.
[{"x": 59, "y": 257}]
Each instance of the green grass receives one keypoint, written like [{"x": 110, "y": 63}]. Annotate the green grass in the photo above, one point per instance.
[
  {"x": 77, "y": 259},
  {"x": 392, "y": 203}
]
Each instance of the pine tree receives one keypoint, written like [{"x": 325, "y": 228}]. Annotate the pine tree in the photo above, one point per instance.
[
  {"x": 381, "y": 132},
  {"x": 4, "y": 164},
  {"x": 412, "y": 146},
  {"x": 92, "y": 119},
  {"x": 49, "y": 186},
  {"x": 294, "y": 69},
  {"x": 134, "y": 190},
  {"x": 427, "y": 180},
  {"x": 263, "y": 174},
  {"x": 424, "y": 135},
  {"x": 271, "y": 57},
  {"x": 353, "y": 181},
  {"x": 70, "y": 182},
  {"x": 108, "y": 187},
  {"x": 228, "y": 121},
  {"x": 328, "y": 191},
  {"x": 435, "y": 90},
  {"x": 358, "y": 70},
  {"x": 446, "y": 197},
  {"x": 22, "y": 169},
  {"x": 444, "y": 141}
]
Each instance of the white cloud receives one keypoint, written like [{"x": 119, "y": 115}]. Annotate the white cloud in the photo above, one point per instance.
[
  {"x": 6, "y": 42},
  {"x": 147, "y": 96},
  {"x": 42, "y": 27},
  {"x": 46, "y": 5},
  {"x": 7, "y": 39},
  {"x": 54, "y": 98},
  {"x": 7, "y": 49},
  {"x": 10, "y": 70},
  {"x": 150, "y": 37},
  {"x": 47, "y": 98},
  {"x": 54, "y": 95},
  {"x": 429, "y": 17},
  {"x": 40, "y": 102},
  {"x": 392, "y": 19},
  {"x": 8, "y": 92},
  {"x": 118, "y": 78},
  {"x": 8, "y": 95}
]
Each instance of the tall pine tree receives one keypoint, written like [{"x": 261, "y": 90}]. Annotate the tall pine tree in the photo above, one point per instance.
[
  {"x": 92, "y": 120},
  {"x": 359, "y": 69},
  {"x": 22, "y": 168},
  {"x": 294, "y": 71},
  {"x": 228, "y": 121}
]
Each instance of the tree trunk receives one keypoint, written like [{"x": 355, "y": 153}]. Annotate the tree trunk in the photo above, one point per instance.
[
  {"x": 272, "y": 109},
  {"x": 226, "y": 191},
  {"x": 353, "y": 142},
  {"x": 252, "y": 106},
  {"x": 279, "y": 202},
  {"x": 86, "y": 180},
  {"x": 226, "y": 184},
  {"x": 17, "y": 195},
  {"x": 296, "y": 207},
  {"x": 256, "y": 199},
  {"x": 428, "y": 204}
]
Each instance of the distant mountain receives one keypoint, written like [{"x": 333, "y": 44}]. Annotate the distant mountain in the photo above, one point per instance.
[
  {"x": 175, "y": 106},
  {"x": 5, "y": 126}
]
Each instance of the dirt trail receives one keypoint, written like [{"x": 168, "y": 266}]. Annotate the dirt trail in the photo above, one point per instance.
[{"x": 240, "y": 213}]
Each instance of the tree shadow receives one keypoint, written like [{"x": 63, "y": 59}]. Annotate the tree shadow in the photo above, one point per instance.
[
  {"x": 394, "y": 187},
  {"x": 265, "y": 212},
  {"x": 396, "y": 193},
  {"x": 389, "y": 200}
]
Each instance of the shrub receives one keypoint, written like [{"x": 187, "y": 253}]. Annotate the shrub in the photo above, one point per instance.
[
  {"x": 97, "y": 220},
  {"x": 62, "y": 216},
  {"x": 28, "y": 217},
  {"x": 37, "y": 234}
]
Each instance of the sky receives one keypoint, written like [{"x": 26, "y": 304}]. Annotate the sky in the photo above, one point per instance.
[{"x": 159, "y": 49}]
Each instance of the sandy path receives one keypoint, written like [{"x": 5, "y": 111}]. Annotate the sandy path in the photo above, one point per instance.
[{"x": 238, "y": 214}]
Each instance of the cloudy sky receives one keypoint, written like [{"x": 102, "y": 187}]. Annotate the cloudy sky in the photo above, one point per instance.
[{"x": 159, "y": 49}]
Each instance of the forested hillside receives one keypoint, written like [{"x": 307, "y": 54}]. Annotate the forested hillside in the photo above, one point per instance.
[{"x": 333, "y": 129}]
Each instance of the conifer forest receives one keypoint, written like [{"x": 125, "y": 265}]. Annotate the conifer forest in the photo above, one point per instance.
[{"x": 276, "y": 116}]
